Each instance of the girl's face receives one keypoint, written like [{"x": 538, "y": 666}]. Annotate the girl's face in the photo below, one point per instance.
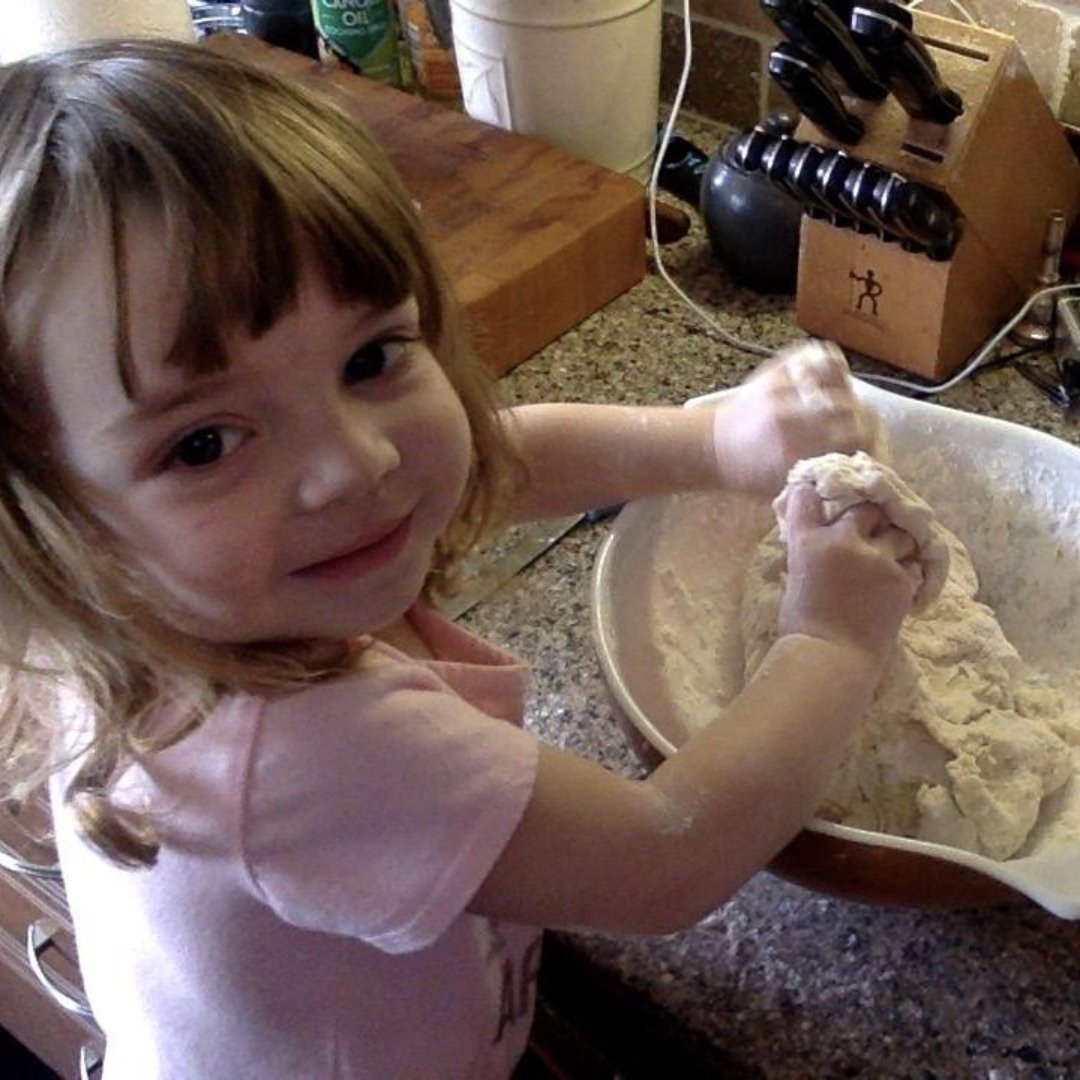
[{"x": 298, "y": 493}]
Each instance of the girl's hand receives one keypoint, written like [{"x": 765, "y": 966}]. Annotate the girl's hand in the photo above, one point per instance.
[
  {"x": 851, "y": 582},
  {"x": 798, "y": 404}
]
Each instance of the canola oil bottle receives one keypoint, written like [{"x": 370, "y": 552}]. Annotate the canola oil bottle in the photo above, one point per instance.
[{"x": 360, "y": 35}]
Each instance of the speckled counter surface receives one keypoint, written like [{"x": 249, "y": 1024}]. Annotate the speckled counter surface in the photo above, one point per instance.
[{"x": 782, "y": 982}]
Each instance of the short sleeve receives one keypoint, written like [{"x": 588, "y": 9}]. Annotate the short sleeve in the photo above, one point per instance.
[{"x": 375, "y": 806}]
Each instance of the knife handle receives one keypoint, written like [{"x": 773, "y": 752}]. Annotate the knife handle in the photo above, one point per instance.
[
  {"x": 828, "y": 182},
  {"x": 775, "y": 161},
  {"x": 889, "y": 9},
  {"x": 802, "y": 171},
  {"x": 905, "y": 62},
  {"x": 924, "y": 219},
  {"x": 859, "y": 187},
  {"x": 748, "y": 147},
  {"x": 928, "y": 219},
  {"x": 838, "y": 47},
  {"x": 795, "y": 70},
  {"x": 816, "y": 26},
  {"x": 772, "y": 154}
]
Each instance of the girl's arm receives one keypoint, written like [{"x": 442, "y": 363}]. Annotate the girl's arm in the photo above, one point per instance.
[
  {"x": 585, "y": 456},
  {"x": 598, "y": 851},
  {"x": 595, "y": 849},
  {"x": 799, "y": 404}
]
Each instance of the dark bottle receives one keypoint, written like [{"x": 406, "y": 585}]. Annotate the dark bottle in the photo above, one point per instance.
[
  {"x": 682, "y": 168},
  {"x": 288, "y": 24}
]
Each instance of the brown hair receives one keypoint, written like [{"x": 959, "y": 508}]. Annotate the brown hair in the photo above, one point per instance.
[{"x": 249, "y": 172}]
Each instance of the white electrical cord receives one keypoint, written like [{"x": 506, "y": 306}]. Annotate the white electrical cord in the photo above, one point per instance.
[
  {"x": 725, "y": 335},
  {"x": 980, "y": 357}
]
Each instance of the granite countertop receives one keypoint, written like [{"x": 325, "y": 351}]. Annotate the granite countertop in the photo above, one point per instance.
[{"x": 781, "y": 982}]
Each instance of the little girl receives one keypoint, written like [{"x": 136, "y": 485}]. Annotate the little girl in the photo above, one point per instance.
[{"x": 302, "y": 831}]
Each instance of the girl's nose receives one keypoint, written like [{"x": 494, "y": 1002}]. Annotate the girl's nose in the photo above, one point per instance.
[{"x": 344, "y": 460}]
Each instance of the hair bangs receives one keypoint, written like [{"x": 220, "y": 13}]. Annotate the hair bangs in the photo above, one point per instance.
[
  {"x": 243, "y": 248},
  {"x": 253, "y": 189}
]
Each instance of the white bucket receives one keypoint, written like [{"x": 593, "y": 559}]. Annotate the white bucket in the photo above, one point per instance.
[
  {"x": 582, "y": 74},
  {"x": 36, "y": 26}
]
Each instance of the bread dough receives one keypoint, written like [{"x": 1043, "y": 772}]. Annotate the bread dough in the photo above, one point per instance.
[
  {"x": 963, "y": 741},
  {"x": 845, "y": 480}
]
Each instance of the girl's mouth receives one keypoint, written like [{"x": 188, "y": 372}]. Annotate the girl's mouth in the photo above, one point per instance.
[{"x": 364, "y": 558}]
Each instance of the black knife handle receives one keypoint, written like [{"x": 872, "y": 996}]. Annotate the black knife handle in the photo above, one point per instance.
[
  {"x": 905, "y": 63},
  {"x": 888, "y": 187},
  {"x": 802, "y": 171},
  {"x": 928, "y": 219},
  {"x": 924, "y": 219},
  {"x": 771, "y": 155},
  {"x": 775, "y": 160},
  {"x": 812, "y": 93},
  {"x": 859, "y": 185},
  {"x": 828, "y": 184},
  {"x": 748, "y": 147},
  {"x": 834, "y": 40},
  {"x": 891, "y": 9},
  {"x": 814, "y": 25}
]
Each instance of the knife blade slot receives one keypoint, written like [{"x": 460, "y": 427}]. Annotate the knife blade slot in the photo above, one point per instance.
[
  {"x": 923, "y": 152},
  {"x": 956, "y": 49}
]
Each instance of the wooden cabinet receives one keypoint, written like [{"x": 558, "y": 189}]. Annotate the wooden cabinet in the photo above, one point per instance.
[{"x": 37, "y": 946}]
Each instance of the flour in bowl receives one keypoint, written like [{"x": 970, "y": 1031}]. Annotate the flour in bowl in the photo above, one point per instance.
[{"x": 964, "y": 744}]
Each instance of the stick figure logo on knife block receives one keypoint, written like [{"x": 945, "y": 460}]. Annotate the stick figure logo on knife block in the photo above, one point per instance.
[{"x": 865, "y": 293}]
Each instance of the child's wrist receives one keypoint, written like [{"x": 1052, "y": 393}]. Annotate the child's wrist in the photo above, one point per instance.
[
  {"x": 723, "y": 449},
  {"x": 842, "y": 658}
]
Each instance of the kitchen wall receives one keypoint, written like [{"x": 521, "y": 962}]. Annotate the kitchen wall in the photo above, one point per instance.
[{"x": 732, "y": 39}]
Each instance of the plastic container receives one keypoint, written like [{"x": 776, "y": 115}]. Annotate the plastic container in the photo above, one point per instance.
[
  {"x": 35, "y": 26},
  {"x": 581, "y": 74}
]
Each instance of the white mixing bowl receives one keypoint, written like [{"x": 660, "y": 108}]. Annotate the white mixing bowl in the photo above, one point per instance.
[{"x": 1012, "y": 494}]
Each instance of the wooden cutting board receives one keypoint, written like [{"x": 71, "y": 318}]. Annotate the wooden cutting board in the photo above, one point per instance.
[{"x": 533, "y": 239}]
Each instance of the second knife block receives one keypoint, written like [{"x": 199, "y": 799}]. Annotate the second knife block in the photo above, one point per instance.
[{"x": 1005, "y": 164}]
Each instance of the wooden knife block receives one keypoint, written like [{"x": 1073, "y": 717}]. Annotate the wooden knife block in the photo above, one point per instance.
[
  {"x": 1005, "y": 164},
  {"x": 533, "y": 239}
]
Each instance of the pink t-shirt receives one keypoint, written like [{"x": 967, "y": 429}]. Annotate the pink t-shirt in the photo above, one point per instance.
[{"x": 306, "y": 917}]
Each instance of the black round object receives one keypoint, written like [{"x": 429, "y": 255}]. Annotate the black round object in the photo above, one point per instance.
[
  {"x": 288, "y": 24},
  {"x": 752, "y": 225}
]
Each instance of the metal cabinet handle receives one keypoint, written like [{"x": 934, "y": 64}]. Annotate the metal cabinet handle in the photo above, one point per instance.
[
  {"x": 90, "y": 1063},
  {"x": 29, "y": 869},
  {"x": 39, "y": 939},
  {"x": 9, "y": 856}
]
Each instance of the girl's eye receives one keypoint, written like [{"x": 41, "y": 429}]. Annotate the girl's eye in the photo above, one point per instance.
[
  {"x": 372, "y": 360},
  {"x": 204, "y": 447}
]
